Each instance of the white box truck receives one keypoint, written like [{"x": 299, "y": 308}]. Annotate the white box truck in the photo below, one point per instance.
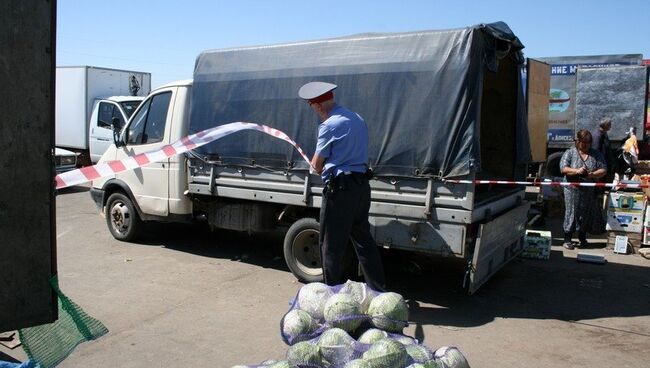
[
  {"x": 87, "y": 100},
  {"x": 439, "y": 104}
]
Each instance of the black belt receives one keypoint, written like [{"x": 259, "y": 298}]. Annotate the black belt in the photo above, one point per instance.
[{"x": 340, "y": 181}]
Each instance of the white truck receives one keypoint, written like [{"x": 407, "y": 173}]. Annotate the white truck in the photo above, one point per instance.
[
  {"x": 87, "y": 100},
  {"x": 439, "y": 105}
]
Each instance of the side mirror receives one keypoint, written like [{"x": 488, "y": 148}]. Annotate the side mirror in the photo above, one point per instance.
[
  {"x": 116, "y": 122},
  {"x": 115, "y": 126}
]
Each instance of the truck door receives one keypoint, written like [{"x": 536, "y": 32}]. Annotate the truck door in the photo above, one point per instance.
[
  {"x": 498, "y": 241},
  {"x": 101, "y": 134},
  {"x": 538, "y": 84},
  {"x": 148, "y": 130}
]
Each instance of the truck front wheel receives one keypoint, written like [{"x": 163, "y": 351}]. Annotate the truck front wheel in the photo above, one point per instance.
[{"x": 121, "y": 217}]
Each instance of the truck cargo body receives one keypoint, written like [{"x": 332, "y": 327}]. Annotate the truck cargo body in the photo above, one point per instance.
[
  {"x": 78, "y": 91},
  {"x": 439, "y": 105}
]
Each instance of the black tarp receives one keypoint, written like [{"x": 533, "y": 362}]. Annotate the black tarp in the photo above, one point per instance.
[{"x": 419, "y": 92}]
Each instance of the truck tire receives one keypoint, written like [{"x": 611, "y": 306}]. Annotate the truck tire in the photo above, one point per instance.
[
  {"x": 302, "y": 251},
  {"x": 552, "y": 166},
  {"x": 121, "y": 217}
]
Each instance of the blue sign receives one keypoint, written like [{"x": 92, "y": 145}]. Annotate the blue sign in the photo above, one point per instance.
[
  {"x": 570, "y": 69},
  {"x": 560, "y": 135}
]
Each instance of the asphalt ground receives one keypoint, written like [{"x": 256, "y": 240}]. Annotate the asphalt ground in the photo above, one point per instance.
[{"x": 186, "y": 296}]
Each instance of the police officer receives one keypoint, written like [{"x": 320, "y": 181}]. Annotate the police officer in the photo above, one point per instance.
[{"x": 341, "y": 158}]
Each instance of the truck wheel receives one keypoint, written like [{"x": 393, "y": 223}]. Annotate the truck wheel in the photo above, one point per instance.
[
  {"x": 121, "y": 217},
  {"x": 552, "y": 166},
  {"x": 302, "y": 252}
]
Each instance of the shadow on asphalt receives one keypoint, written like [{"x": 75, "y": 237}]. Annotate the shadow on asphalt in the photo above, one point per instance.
[
  {"x": 7, "y": 358},
  {"x": 72, "y": 189},
  {"x": 260, "y": 249},
  {"x": 560, "y": 288}
]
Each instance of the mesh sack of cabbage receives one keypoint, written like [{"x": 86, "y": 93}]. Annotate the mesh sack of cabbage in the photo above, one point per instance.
[
  {"x": 335, "y": 348},
  {"x": 349, "y": 306}
]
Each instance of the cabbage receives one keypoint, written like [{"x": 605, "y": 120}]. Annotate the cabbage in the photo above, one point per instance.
[
  {"x": 372, "y": 335},
  {"x": 386, "y": 353},
  {"x": 336, "y": 346},
  {"x": 429, "y": 364},
  {"x": 356, "y": 363},
  {"x": 419, "y": 353},
  {"x": 405, "y": 340},
  {"x": 304, "y": 353},
  {"x": 312, "y": 298},
  {"x": 360, "y": 292},
  {"x": 342, "y": 311},
  {"x": 297, "y": 325},
  {"x": 451, "y": 357},
  {"x": 280, "y": 364},
  {"x": 389, "y": 312}
]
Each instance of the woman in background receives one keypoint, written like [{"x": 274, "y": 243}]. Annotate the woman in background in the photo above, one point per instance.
[{"x": 582, "y": 164}]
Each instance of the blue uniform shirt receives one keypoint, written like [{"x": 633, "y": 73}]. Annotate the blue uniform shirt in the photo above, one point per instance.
[{"x": 343, "y": 142}]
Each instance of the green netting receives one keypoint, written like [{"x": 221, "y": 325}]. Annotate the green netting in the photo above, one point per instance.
[{"x": 48, "y": 345}]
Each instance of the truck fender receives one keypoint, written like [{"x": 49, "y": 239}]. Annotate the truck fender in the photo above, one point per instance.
[{"x": 115, "y": 185}]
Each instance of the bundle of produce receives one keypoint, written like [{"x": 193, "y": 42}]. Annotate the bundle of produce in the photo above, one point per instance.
[
  {"x": 348, "y": 306},
  {"x": 353, "y": 326},
  {"x": 336, "y": 349}
]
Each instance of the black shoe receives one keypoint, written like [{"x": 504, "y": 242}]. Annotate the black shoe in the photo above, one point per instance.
[{"x": 568, "y": 245}]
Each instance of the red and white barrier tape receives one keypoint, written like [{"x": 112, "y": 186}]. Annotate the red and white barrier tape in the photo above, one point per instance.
[
  {"x": 86, "y": 174},
  {"x": 549, "y": 183}
]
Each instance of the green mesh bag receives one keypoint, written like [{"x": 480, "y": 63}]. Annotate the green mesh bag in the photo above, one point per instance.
[{"x": 48, "y": 345}]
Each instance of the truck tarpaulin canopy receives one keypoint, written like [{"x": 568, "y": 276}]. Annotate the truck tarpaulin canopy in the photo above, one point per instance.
[{"x": 420, "y": 94}]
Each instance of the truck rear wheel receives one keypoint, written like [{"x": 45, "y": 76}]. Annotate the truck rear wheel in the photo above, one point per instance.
[
  {"x": 302, "y": 251},
  {"x": 552, "y": 165},
  {"x": 121, "y": 217}
]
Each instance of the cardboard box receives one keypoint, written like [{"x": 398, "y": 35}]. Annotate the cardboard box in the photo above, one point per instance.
[
  {"x": 537, "y": 244},
  {"x": 628, "y": 222},
  {"x": 634, "y": 240},
  {"x": 626, "y": 202}
]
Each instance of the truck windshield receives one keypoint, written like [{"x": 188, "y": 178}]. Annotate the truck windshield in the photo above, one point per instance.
[{"x": 129, "y": 107}]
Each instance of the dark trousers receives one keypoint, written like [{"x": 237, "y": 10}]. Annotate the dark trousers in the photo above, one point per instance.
[{"x": 344, "y": 216}]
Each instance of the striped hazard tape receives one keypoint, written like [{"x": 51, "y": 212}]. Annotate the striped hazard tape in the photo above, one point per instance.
[
  {"x": 106, "y": 169},
  {"x": 549, "y": 183}
]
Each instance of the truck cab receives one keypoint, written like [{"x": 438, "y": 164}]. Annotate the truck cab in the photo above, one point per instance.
[
  {"x": 156, "y": 191},
  {"x": 104, "y": 111}
]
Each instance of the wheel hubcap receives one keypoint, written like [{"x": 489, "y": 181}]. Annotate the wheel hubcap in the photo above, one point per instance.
[
  {"x": 306, "y": 252},
  {"x": 120, "y": 217}
]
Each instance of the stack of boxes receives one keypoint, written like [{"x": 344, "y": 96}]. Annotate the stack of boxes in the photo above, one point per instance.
[
  {"x": 625, "y": 214},
  {"x": 537, "y": 244}
]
